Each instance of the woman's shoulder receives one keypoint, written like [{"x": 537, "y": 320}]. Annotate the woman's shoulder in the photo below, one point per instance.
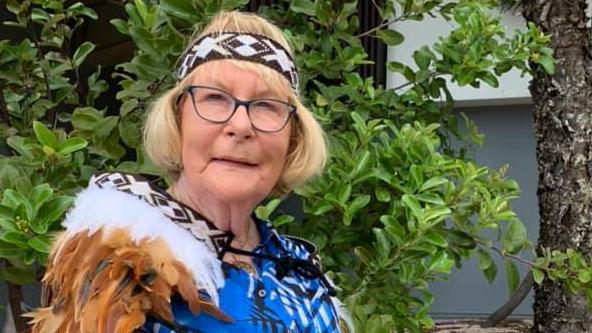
[{"x": 120, "y": 249}]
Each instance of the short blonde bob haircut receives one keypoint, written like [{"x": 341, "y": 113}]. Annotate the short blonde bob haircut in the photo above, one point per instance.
[{"x": 307, "y": 152}]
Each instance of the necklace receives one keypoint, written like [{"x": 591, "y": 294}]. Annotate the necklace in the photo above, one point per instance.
[
  {"x": 250, "y": 242},
  {"x": 247, "y": 244}
]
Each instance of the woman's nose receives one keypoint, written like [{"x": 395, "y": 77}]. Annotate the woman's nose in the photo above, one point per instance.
[{"x": 240, "y": 124}]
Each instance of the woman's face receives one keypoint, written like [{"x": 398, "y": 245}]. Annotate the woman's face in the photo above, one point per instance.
[{"x": 231, "y": 161}]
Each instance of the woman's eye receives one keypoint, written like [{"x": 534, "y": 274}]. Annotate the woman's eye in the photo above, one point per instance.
[
  {"x": 215, "y": 97},
  {"x": 266, "y": 106}
]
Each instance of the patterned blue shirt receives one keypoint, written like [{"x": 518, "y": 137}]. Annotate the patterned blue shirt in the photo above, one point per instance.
[{"x": 265, "y": 303}]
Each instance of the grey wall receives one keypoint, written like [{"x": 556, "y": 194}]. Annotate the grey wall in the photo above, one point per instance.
[{"x": 509, "y": 140}]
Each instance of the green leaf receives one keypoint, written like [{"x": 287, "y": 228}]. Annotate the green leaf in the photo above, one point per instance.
[
  {"x": 40, "y": 194},
  {"x": 538, "y": 276},
  {"x": 382, "y": 242},
  {"x": 364, "y": 255},
  {"x": 86, "y": 119},
  {"x": 490, "y": 273},
  {"x": 54, "y": 208},
  {"x": 130, "y": 133},
  {"x": 264, "y": 211},
  {"x": 23, "y": 185},
  {"x": 441, "y": 263},
  {"x": 44, "y": 135},
  {"x": 490, "y": 79},
  {"x": 432, "y": 183},
  {"x": 362, "y": 162},
  {"x": 105, "y": 126},
  {"x": 512, "y": 275},
  {"x": 8, "y": 174},
  {"x": 397, "y": 67},
  {"x": 411, "y": 202},
  {"x": 485, "y": 260},
  {"x": 82, "y": 52},
  {"x": 422, "y": 61},
  {"x": 390, "y": 37},
  {"x": 514, "y": 238},
  {"x": 181, "y": 9},
  {"x": 120, "y": 25},
  {"x": 9, "y": 251},
  {"x": 141, "y": 8},
  {"x": 436, "y": 239},
  {"x": 584, "y": 276},
  {"x": 548, "y": 64},
  {"x": 15, "y": 238},
  {"x": 358, "y": 203},
  {"x": 283, "y": 219},
  {"x": 79, "y": 9},
  {"x": 306, "y": 7},
  {"x": 382, "y": 195},
  {"x": 8, "y": 223},
  {"x": 13, "y": 199},
  {"x": 430, "y": 198},
  {"x": 71, "y": 145},
  {"x": 40, "y": 243},
  {"x": 436, "y": 214},
  {"x": 39, "y": 15}
]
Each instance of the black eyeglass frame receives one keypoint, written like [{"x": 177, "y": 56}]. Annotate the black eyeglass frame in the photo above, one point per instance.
[{"x": 237, "y": 102}]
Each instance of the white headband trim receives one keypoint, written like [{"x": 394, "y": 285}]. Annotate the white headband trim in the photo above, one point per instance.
[{"x": 242, "y": 46}]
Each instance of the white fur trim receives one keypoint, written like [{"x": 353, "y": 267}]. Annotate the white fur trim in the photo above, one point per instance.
[{"x": 107, "y": 208}]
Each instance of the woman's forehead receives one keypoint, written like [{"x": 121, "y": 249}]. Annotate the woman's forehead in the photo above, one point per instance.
[{"x": 227, "y": 74}]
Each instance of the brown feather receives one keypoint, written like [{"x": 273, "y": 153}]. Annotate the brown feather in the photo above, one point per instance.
[{"x": 106, "y": 282}]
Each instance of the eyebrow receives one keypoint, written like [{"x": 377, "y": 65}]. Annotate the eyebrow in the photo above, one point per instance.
[{"x": 265, "y": 93}]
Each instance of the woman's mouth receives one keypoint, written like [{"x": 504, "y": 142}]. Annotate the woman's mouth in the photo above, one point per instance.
[{"x": 234, "y": 162}]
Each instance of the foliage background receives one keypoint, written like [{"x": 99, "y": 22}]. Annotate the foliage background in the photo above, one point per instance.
[{"x": 397, "y": 207}]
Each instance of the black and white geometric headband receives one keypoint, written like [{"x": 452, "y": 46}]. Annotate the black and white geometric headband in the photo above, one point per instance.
[{"x": 241, "y": 46}]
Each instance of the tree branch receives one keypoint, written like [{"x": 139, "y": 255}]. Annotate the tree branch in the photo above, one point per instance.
[
  {"x": 507, "y": 308},
  {"x": 515, "y": 257},
  {"x": 52, "y": 114},
  {"x": 15, "y": 296},
  {"x": 380, "y": 26}
]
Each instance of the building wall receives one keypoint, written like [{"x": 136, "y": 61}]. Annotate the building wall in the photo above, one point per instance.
[
  {"x": 504, "y": 115},
  {"x": 509, "y": 140}
]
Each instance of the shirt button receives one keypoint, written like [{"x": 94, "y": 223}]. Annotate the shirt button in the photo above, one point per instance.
[{"x": 261, "y": 293}]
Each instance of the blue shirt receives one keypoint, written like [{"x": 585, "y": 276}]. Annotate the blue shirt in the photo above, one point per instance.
[{"x": 263, "y": 303}]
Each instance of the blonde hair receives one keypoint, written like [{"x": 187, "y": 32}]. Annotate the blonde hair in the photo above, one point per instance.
[{"x": 307, "y": 149}]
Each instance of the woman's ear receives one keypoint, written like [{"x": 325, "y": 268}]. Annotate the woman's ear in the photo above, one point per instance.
[{"x": 180, "y": 98}]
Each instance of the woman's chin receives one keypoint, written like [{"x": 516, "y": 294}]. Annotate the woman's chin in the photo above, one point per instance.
[{"x": 238, "y": 192}]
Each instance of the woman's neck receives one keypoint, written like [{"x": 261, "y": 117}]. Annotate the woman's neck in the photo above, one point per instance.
[{"x": 227, "y": 216}]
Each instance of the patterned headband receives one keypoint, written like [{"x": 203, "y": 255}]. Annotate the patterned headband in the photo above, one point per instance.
[{"x": 242, "y": 46}]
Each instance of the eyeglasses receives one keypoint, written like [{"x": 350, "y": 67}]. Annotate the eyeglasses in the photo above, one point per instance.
[{"x": 217, "y": 106}]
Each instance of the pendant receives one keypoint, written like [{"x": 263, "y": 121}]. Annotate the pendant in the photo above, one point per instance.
[{"x": 245, "y": 266}]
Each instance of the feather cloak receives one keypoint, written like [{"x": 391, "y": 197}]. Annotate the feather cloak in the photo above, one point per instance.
[{"x": 118, "y": 261}]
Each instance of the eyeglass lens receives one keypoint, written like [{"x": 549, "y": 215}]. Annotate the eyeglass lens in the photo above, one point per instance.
[{"x": 217, "y": 106}]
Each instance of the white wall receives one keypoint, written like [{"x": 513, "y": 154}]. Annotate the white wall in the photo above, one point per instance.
[{"x": 513, "y": 89}]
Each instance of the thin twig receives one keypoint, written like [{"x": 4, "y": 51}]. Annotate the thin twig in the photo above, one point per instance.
[
  {"x": 403, "y": 85},
  {"x": 41, "y": 55},
  {"x": 380, "y": 26},
  {"x": 515, "y": 257},
  {"x": 376, "y": 5}
]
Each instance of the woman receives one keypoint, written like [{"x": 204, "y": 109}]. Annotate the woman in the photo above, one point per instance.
[{"x": 194, "y": 258}]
